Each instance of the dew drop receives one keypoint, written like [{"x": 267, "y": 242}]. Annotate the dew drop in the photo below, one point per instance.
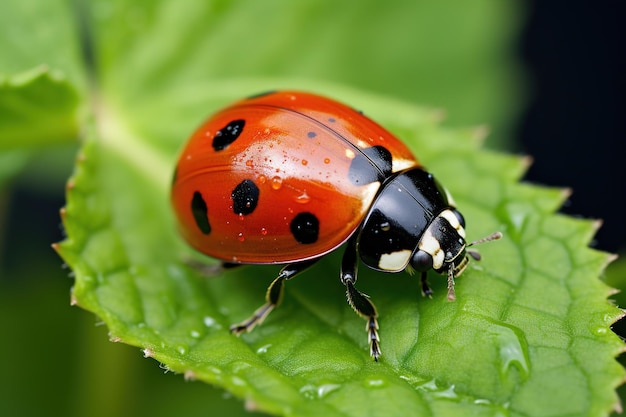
[
  {"x": 325, "y": 389},
  {"x": 250, "y": 163},
  {"x": 600, "y": 331},
  {"x": 261, "y": 179},
  {"x": 308, "y": 392},
  {"x": 435, "y": 390},
  {"x": 512, "y": 347},
  {"x": 305, "y": 162},
  {"x": 375, "y": 383},
  {"x": 263, "y": 231},
  {"x": 238, "y": 381},
  {"x": 327, "y": 161},
  {"x": 264, "y": 348},
  {"x": 277, "y": 182},
  {"x": 211, "y": 322},
  {"x": 195, "y": 334},
  {"x": 303, "y": 198},
  {"x": 313, "y": 392},
  {"x": 240, "y": 366},
  {"x": 241, "y": 237},
  {"x": 182, "y": 349}
]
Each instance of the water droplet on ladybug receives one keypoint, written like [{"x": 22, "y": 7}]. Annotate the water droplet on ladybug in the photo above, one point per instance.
[
  {"x": 327, "y": 160},
  {"x": 385, "y": 227},
  {"x": 240, "y": 237},
  {"x": 277, "y": 182},
  {"x": 261, "y": 179},
  {"x": 305, "y": 162},
  {"x": 263, "y": 231},
  {"x": 303, "y": 198}
]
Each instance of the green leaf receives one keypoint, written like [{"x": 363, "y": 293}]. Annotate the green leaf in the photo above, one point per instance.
[
  {"x": 37, "y": 108},
  {"x": 529, "y": 320},
  {"x": 38, "y": 102}
]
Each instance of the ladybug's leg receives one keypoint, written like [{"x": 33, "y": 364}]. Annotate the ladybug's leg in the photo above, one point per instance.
[
  {"x": 272, "y": 297},
  {"x": 358, "y": 301},
  {"x": 426, "y": 290}
]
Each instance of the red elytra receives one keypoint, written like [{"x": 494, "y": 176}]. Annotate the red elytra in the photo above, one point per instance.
[{"x": 296, "y": 150}]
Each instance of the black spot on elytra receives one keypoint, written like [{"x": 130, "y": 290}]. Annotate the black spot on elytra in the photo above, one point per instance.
[
  {"x": 259, "y": 95},
  {"x": 245, "y": 197},
  {"x": 200, "y": 213},
  {"x": 370, "y": 165},
  {"x": 305, "y": 228},
  {"x": 228, "y": 134}
]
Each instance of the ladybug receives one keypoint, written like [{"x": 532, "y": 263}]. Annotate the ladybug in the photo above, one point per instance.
[{"x": 287, "y": 177}]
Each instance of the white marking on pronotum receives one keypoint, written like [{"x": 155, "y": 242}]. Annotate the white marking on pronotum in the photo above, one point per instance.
[
  {"x": 398, "y": 164},
  {"x": 394, "y": 261}
]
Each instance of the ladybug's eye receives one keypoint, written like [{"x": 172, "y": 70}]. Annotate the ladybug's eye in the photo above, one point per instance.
[{"x": 422, "y": 261}]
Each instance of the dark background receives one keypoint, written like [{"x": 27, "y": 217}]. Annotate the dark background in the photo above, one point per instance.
[{"x": 575, "y": 126}]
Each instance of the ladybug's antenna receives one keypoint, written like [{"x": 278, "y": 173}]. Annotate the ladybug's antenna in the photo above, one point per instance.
[
  {"x": 493, "y": 236},
  {"x": 473, "y": 254}
]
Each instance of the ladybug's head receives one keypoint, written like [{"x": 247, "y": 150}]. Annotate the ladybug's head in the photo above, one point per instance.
[{"x": 442, "y": 246}]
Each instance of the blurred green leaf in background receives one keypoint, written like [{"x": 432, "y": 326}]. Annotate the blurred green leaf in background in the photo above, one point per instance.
[{"x": 127, "y": 82}]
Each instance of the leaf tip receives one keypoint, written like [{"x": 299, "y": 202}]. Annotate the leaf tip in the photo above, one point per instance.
[
  {"x": 597, "y": 224},
  {"x": 566, "y": 193},
  {"x": 73, "y": 300},
  {"x": 527, "y": 161},
  {"x": 617, "y": 408},
  {"x": 251, "y": 406}
]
